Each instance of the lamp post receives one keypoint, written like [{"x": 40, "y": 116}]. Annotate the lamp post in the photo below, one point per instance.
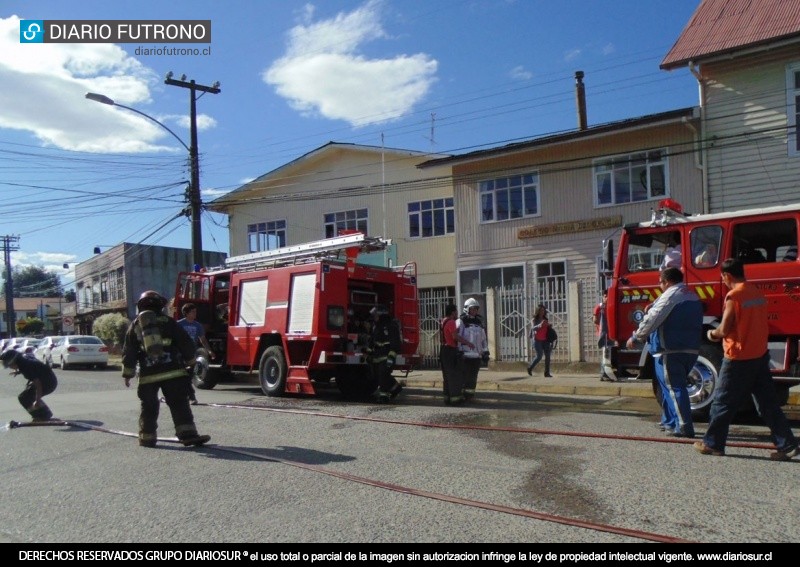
[{"x": 194, "y": 185}]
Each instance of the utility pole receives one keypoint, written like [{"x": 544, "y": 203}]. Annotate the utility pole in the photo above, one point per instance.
[
  {"x": 194, "y": 190},
  {"x": 9, "y": 244}
]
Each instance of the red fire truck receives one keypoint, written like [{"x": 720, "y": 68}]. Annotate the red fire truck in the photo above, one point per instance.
[
  {"x": 298, "y": 315},
  {"x": 765, "y": 239}
]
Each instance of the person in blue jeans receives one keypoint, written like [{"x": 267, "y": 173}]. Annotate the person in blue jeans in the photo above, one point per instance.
[
  {"x": 673, "y": 327},
  {"x": 542, "y": 347},
  {"x": 744, "y": 332}
]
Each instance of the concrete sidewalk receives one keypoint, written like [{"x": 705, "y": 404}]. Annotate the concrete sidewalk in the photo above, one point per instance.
[{"x": 566, "y": 381}]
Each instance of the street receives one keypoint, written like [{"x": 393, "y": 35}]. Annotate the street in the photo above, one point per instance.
[{"x": 512, "y": 467}]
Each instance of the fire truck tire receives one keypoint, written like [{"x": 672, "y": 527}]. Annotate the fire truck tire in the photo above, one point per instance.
[
  {"x": 273, "y": 371},
  {"x": 203, "y": 377},
  {"x": 702, "y": 381}
]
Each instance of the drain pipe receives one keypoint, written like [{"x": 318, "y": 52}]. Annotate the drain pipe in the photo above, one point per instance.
[{"x": 701, "y": 160}]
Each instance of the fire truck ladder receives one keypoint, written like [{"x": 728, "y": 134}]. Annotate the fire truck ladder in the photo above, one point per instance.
[{"x": 327, "y": 248}]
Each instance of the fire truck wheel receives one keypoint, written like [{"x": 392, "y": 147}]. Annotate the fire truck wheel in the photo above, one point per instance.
[
  {"x": 272, "y": 371},
  {"x": 203, "y": 377}
]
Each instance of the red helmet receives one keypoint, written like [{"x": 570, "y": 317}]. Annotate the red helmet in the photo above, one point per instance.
[{"x": 151, "y": 301}]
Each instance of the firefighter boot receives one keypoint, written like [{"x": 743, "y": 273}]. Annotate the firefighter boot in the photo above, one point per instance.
[{"x": 195, "y": 440}]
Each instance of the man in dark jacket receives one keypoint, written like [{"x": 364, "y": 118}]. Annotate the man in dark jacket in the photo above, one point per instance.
[
  {"x": 41, "y": 381},
  {"x": 162, "y": 350}
]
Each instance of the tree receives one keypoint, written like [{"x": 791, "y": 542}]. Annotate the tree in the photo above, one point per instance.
[
  {"x": 70, "y": 296},
  {"x": 34, "y": 281},
  {"x": 32, "y": 326},
  {"x": 111, "y": 327}
]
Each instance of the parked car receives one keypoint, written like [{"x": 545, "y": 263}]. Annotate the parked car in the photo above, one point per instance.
[
  {"x": 80, "y": 350},
  {"x": 27, "y": 345},
  {"x": 44, "y": 350},
  {"x": 13, "y": 342}
]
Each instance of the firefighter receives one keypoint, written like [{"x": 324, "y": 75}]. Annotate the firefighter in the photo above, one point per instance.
[
  {"x": 162, "y": 350},
  {"x": 384, "y": 343},
  {"x": 474, "y": 348},
  {"x": 41, "y": 381}
]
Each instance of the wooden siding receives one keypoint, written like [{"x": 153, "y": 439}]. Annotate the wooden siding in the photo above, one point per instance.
[
  {"x": 567, "y": 194},
  {"x": 746, "y": 117},
  {"x": 347, "y": 178}
]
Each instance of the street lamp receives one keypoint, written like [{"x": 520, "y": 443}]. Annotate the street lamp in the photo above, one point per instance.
[{"x": 194, "y": 188}]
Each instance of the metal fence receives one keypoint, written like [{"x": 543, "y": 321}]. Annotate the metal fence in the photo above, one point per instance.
[{"x": 513, "y": 308}]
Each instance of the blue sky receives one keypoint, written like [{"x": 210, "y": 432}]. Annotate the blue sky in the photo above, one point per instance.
[{"x": 445, "y": 76}]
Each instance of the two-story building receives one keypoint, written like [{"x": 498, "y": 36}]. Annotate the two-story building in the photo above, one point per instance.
[
  {"x": 113, "y": 280},
  {"x": 533, "y": 215},
  {"x": 746, "y": 58}
]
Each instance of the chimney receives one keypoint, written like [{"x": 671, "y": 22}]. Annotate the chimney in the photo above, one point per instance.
[{"x": 580, "y": 100}]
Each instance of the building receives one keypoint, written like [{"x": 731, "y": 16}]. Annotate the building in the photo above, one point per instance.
[
  {"x": 532, "y": 217},
  {"x": 48, "y": 309},
  {"x": 112, "y": 281},
  {"x": 746, "y": 58}
]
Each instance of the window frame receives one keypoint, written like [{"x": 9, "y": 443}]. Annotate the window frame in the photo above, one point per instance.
[
  {"x": 354, "y": 219},
  {"x": 262, "y": 231},
  {"x": 793, "y": 109},
  {"x": 502, "y": 188},
  {"x": 632, "y": 161},
  {"x": 446, "y": 217}
]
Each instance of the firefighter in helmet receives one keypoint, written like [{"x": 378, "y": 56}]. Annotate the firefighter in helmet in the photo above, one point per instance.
[
  {"x": 162, "y": 350},
  {"x": 474, "y": 348},
  {"x": 384, "y": 344},
  {"x": 41, "y": 381}
]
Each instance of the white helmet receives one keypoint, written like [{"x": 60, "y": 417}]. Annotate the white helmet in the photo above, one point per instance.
[{"x": 471, "y": 302}]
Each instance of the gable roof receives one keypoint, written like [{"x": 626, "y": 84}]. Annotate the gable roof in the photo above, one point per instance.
[
  {"x": 719, "y": 27},
  {"x": 230, "y": 197}
]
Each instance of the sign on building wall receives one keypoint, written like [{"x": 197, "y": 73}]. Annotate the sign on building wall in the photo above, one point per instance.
[{"x": 569, "y": 227}]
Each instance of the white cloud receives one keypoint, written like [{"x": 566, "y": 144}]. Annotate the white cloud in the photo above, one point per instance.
[
  {"x": 324, "y": 73},
  {"x": 608, "y": 49},
  {"x": 572, "y": 54},
  {"x": 519, "y": 72},
  {"x": 43, "y": 93}
]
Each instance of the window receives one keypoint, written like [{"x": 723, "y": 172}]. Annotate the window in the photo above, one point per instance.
[
  {"x": 793, "y": 108},
  {"x": 765, "y": 241},
  {"x": 646, "y": 251},
  {"x": 551, "y": 287},
  {"x": 475, "y": 282},
  {"x": 266, "y": 235},
  {"x": 346, "y": 220},
  {"x": 431, "y": 218},
  {"x": 511, "y": 197},
  {"x": 706, "y": 242},
  {"x": 626, "y": 179}
]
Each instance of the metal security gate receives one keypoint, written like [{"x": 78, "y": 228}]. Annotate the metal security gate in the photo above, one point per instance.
[{"x": 432, "y": 304}]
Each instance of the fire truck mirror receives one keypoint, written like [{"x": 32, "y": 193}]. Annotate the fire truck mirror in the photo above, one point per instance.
[{"x": 608, "y": 257}]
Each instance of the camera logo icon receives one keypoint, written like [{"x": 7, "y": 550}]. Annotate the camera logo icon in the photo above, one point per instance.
[{"x": 31, "y": 31}]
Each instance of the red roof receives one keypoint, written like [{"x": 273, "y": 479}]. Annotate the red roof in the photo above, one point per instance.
[{"x": 723, "y": 26}]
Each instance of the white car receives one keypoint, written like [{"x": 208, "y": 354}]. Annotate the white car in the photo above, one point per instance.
[
  {"x": 44, "y": 351},
  {"x": 75, "y": 350},
  {"x": 27, "y": 345}
]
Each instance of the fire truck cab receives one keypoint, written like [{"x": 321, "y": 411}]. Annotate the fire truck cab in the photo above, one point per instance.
[
  {"x": 764, "y": 239},
  {"x": 299, "y": 315}
]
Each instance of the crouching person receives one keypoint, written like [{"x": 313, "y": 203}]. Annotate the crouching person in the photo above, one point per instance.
[
  {"x": 41, "y": 381},
  {"x": 162, "y": 350}
]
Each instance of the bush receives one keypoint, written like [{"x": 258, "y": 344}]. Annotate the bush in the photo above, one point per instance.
[{"x": 111, "y": 327}]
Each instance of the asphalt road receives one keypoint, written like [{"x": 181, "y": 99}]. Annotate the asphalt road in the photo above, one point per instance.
[{"x": 574, "y": 468}]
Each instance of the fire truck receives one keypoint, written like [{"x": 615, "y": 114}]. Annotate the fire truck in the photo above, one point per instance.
[
  {"x": 764, "y": 239},
  {"x": 299, "y": 315}
]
